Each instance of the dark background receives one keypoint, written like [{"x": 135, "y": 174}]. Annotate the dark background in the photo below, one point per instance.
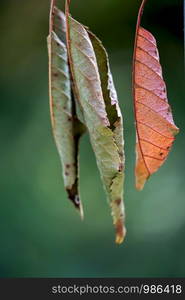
[{"x": 40, "y": 233}]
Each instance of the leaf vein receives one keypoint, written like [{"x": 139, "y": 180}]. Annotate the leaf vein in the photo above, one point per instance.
[
  {"x": 152, "y": 70},
  {"x": 144, "y": 37},
  {"x": 150, "y": 91},
  {"x": 154, "y": 111},
  {"x": 157, "y": 60},
  {"x": 152, "y": 157},
  {"x": 149, "y": 142},
  {"x": 155, "y": 130}
]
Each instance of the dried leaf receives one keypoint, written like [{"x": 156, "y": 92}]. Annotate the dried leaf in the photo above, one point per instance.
[
  {"x": 66, "y": 127},
  {"x": 155, "y": 128},
  {"x": 98, "y": 100},
  {"x": 115, "y": 188}
]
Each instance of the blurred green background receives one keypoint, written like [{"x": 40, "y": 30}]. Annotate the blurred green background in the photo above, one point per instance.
[{"x": 41, "y": 234}]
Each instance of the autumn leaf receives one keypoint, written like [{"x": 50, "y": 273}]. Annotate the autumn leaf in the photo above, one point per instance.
[
  {"x": 97, "y": 98},
  {"x": 114, "y": 187},
  {"x": 155, "y": 128},
  {"x": 66, "y": 127}
]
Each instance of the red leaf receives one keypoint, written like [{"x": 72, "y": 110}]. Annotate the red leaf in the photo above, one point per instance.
[{"x": 155, "y": 129}]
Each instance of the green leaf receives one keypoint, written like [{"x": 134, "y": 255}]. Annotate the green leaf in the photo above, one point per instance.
[
  {"x": 115, "y": 194},
  {"x": 66, "y": 127},
  {"x": 95, "y": 92}
]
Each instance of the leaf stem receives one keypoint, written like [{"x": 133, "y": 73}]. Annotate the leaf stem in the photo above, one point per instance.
[
  {"x": 133, "y": 72},
  {"x": 74, "y": 93},
  {"x": 184, "y": 31},
  {"x": 51, "y": 15},
  {"x": 74, "y": 88}
]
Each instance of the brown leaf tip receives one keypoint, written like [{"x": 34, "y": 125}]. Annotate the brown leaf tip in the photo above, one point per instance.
[
  {"x": 140, "y": 181},
  {"x": 120, "y": 232},
  {"x": 74, "y": 197}
]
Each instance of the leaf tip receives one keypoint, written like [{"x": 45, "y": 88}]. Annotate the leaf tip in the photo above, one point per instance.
[
  {"x": 140, "y": 183},
  {"x": 141, "y": 179},
  {"x": 120, "y": 232},
  {"x": 81, "y": 211},
  {"x": 141, "y": 171},
  {"x": 174, "y": 130},
  {"x": 74, "y": 197}
]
